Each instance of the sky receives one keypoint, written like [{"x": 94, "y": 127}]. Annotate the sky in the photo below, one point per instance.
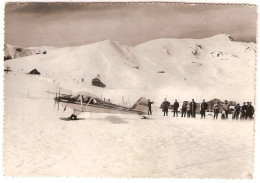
[{"x": 65, "y": 24}]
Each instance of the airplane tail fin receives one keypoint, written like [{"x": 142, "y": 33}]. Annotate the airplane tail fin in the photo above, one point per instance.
[{"x": 141, "y": 105}]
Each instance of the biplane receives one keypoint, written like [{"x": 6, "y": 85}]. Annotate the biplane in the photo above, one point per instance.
[{"x": 86, "y": 102}]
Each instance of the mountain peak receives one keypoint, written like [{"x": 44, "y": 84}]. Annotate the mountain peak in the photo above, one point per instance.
[{"x": 223, "y": 36}]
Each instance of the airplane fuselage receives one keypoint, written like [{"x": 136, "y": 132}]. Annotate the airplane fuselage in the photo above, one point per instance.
[
  {"x": 89, "y": 103},
  {"x": 98, "y": 108}
]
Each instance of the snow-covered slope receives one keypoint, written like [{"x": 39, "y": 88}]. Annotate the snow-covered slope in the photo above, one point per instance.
[
  {"x": 214, "y": 67},
  {"x": 12, "y": 52},
  {"x": 38, "y": 143}
]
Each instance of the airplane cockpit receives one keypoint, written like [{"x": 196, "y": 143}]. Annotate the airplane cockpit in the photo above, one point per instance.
[
  {"x": 88, "y": 100},
  {"x": 81, "y": 99},
  {"x": 75, "y": 98}
]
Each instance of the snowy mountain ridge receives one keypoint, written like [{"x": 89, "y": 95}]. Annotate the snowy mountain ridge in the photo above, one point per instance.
[
  {"x": 12, "y": 52},
  {"x": 214, "y": 67}
]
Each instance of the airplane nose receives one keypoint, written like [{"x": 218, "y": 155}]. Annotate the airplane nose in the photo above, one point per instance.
[{"x": 57, "y": 99}]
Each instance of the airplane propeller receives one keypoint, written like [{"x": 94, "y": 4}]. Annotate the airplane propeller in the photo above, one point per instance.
[{"x": 56, "y": 100}]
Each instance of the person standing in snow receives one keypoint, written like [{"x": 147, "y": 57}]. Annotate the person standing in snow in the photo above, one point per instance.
[
  {"x": 193, "y": 108},
  {"x": 237, "y": 111},
  {"x": 165, "y": 106},
  {"x": 246, "y": 116},
  {"x": 184, "y": 109},
  {"x": 250, "y": 111},
  {"x": 233, "y": 113},
  {"x": 203, "y": 108},
  {"x": 188, "y": 109},
  {"x": 226, "y": 107},
  {"x": 216, "y": 111},
  {"x": 175, "y": 108},
  {"x": 223, "y": 115},
  {"x": 243, "y": 111},
  {"x": 149, "y": 107}
]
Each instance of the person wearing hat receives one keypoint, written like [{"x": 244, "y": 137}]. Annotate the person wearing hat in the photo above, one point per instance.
[
  {"x": 175, "y": 108},
  {"x": 165, "y": 106},
  {"x": 246, "y": 116},
  {"x": 243, "y": 111},
  {"x": 203, "y": 108},
  {"x": 193, "y": 108},
  {"x": 237, "y": 111}
]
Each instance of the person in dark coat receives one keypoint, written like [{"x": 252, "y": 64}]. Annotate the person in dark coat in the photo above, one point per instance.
[
  {"x": 223, "y": 115},
  {"x": 184, "y": 109},
  {"x": 237, "y": 111},
  {"x": 243, "y": 111},
  {"x": 250, "y": 111},
  {"x": 175, "y": 108},
  {"x": 149, "y": 107},
  {"x": 193, "y": 108},
  {"x": 165, "y": 106},
  {"x": 246, "y": 116},
  {"x": 203, "y": 108}
]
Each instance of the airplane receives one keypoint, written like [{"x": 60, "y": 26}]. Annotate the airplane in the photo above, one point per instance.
[{"x": 86, "y": 102}]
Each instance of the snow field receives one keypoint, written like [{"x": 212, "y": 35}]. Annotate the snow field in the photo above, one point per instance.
[{"x": 38, "y": 143}]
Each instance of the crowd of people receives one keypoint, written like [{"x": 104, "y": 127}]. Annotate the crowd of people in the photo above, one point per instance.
[
  {"x": 246, "y": 111},
  {"x": 188, "y": 109}
]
